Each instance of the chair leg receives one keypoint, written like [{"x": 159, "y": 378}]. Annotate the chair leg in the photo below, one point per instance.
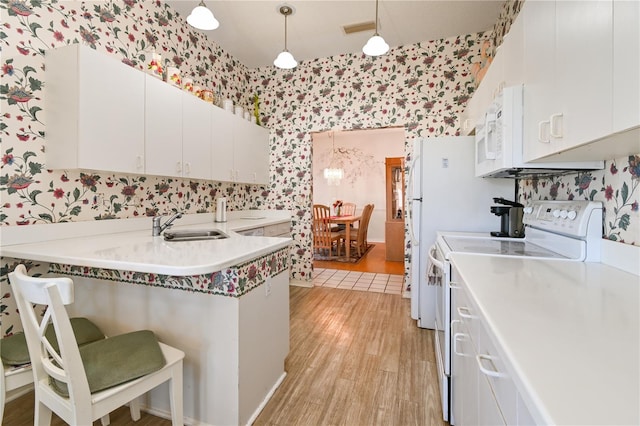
[
  {"x": 134, "y": 407},
  {"x": 175, "y": 397},
  {"x": 42, "y": 415},
  {"x": 105, "y": 420},
  {"x": 2, "y": 394}
]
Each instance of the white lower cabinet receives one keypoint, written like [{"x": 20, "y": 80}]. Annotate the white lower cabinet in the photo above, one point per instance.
[{"x": 483, "y": 393}]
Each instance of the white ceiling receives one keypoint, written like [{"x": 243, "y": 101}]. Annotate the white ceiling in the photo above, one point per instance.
[{"x": 253, "y": 31}]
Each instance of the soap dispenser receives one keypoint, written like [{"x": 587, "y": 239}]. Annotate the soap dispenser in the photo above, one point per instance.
[{"x": 221, "y": 210}]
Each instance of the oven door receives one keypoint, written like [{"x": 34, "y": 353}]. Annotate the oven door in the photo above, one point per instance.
[{"x": 438, "y": 275}]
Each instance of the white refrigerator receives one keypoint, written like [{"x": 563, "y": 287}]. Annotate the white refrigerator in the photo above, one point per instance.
[{"x": 445, "y": 195}]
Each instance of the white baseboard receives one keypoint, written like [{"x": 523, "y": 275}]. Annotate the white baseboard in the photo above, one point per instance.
[
  {"x": 266, "y": 399},
  {"x": 300, "y": 283}
]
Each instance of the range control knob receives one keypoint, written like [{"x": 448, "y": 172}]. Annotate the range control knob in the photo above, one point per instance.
[
  {"x": 572, "y": 214},
  {"x": 556, "y": 213},
  {"x": 528, "y": 210},
  {"x": 563, "y": 214}
]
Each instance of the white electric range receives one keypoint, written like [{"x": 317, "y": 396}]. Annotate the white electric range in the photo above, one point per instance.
[{"x": 554, "y": 230}]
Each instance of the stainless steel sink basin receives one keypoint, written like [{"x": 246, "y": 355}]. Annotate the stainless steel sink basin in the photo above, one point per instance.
[{"x": 195, "y": 234}]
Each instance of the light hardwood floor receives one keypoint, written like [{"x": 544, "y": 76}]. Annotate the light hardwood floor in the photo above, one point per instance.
[
  {"x": 374, "y": 261},
  {"x": 356, "y": 358}
]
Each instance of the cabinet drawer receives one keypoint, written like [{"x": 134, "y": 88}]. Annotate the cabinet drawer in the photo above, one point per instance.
[
  {"x": 496, "y": 374},
  {"x": 278, "y": 230}
]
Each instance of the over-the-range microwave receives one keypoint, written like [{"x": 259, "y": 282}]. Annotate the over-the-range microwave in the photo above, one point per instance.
[{"x": 500, "y": 138}]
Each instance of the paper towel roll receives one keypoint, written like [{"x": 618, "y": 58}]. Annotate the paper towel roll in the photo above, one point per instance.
[{"x": 221, "y": 210}]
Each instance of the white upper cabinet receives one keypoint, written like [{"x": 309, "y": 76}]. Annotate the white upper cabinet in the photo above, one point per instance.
[
  {"x": 626, "y": 65},
  {"x": 196, "y": 137},
  {"x": 568, "y": 46},
  {"x": 177, "y": 132},
  {"x": 240, "y": 150},
  {"x": 222, "y": 147},
  {"x": 104, "y": 115},
  {"x": 163, "y": 128},
  {"x": 94, "y": 108},
  {"x": 251, "y": 155}
]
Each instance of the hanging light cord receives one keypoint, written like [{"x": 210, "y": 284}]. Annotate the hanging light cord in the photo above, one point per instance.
[
  {"x": 286, "y": 14},
  {"x": 376, "y": 18}
]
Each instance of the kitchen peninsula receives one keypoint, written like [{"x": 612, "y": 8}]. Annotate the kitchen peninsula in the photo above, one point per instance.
[{"x": 225, "y": 302}]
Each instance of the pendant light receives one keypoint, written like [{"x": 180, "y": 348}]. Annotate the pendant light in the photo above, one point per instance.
[
  {"x": 285, "y": 60},
  {"x": 333, "y": 174},
  {"x": 202, "y": 18},
  {"x": 376, "y": 45}
]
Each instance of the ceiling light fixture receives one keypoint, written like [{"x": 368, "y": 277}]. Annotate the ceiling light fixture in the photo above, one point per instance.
[
  {"x": 285, "y": 60},
  {"x": 202, "y": 18},
  {"x": 333, "y": 174},
  {"x": 376, "y": 45}
]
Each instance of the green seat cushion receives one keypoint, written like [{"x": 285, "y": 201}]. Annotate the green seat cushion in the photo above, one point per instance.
[
  {"x": 116, "y": 360},
  {"x": 13, "y": 349}
]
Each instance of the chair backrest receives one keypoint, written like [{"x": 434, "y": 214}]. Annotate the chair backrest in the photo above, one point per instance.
[
  {"x": 321, "y": 227},
  {"x": 348, "y": 209},
  {"x": 363, "y": 227},
  {"x": 320, "y": 211},
  {"x": 66, "y": 366}
]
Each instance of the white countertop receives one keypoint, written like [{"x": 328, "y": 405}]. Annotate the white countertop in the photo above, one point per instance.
[
  {"x": 570, "y": 331},
  {"x": 127, "y": 244}
]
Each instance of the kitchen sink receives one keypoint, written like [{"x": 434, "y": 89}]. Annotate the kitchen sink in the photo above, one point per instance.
[{"x": 195, "y": 234}]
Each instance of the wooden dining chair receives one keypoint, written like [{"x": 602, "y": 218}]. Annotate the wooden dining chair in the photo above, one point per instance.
[
  {"x": 358, "y": 236},
  {"x": 83, "y": 384},
  {"x": 324, "y": 238}
]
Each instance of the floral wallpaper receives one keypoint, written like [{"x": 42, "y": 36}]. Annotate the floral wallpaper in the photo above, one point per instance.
[
  {"x": 423, "y": 87},
  {"x": 616, "y": 187}
]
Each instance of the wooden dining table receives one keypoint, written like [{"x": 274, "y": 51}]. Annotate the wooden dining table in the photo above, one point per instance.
[{"x": 347, "y": 221}]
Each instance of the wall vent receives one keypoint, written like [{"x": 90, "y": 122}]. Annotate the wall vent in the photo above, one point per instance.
[{"x": 358, "y": 28}]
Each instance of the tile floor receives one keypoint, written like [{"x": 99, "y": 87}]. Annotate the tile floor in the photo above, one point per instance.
[{"x": 361, "y": 281}]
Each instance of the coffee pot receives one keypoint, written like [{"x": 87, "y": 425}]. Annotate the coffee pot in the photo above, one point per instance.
[{"x": 510, "y": 214}]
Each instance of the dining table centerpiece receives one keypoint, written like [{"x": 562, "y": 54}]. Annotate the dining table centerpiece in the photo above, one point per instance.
[{"x": 337, "y": 205}]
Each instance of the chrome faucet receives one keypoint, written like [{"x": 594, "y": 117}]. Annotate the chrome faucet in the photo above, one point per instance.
[{"x": 158, "y": 228}]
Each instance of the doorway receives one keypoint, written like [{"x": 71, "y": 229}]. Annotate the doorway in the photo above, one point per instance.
[{"x": 361, "y": 156}]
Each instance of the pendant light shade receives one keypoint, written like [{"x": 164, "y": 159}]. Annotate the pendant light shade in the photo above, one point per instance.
[
  {"x": 202, "y": 18},
  {"x": 333, "y": 174},
  {"x": 285, "y": 59},
  {"x": 376, "y": 45}
]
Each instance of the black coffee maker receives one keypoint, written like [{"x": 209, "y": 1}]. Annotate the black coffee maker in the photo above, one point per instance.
[{"x": 510, "y": 214}]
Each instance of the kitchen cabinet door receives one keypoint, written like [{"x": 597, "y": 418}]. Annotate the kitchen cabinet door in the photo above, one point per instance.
[
  {"x": 512, "y": 49},
  {"x": 626, "y": 65},
  {"x": 539, "y": 76},
  {"x": 257, "y": 152},
  {"x": 163, "y": 128},
  {"x": 251, "y": 152},
  {"x": 222, "y": 168},
  {"x": 94, "y": 107},
  {"x": 568, "y": 89},
  {"x": 196, "y": 137},
  {"x": 584, "y": 48}
]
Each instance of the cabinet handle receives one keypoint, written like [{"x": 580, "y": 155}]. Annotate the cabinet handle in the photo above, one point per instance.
[
  {"x": 453, "y": 323},
  {"x": 178, "y": 167},
  {"x": 493, "y": 372},
  {"x": 489, "y": 118},
  {"x": 139, "y": 162},
  {"x": 541, "y": 133},
  {"x": 464, "y": 312},
  {"x": 456, "y": 339},
  {"x": 555, "y": 129},
  {"x": 187, "y": 168},
  {"x": 454, "y": 286}
]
